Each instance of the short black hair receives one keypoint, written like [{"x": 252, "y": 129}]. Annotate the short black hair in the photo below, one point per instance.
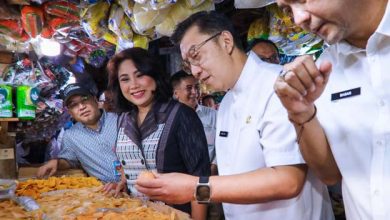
[
  {"x": 207, "y": 97},
  {"x": 260, "y": 40},
  {"x": 146, "y": 65},
  {"x": 208, "y": 22},
  {"x": 177, "y": 77}
]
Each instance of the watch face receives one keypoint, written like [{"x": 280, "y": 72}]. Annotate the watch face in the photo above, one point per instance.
[{"x": 203, "y": 193}]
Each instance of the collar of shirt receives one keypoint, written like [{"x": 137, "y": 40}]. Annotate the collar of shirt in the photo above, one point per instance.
[
  {"x": 243, "y": 82},
  {"x": 100, "y": 122},
  {"x": 198, "y": 108},
  {"x": 384, "y": 26}
]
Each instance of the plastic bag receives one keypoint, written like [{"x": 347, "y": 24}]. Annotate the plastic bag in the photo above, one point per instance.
[
  {"x": 11, "y": 28},
  {"x": 167, "y": 27},
  {"x": 161, "y": 4},
  {"x": 62, "y": 9},
  {"x": 32, "y": 20},
  {"x": 144, "y": 18},
  {"x": 59, "y": 24},
  {"x": 127, "y": 6},
  {"x": 258, "y": 29},
  {"x": 115, "y": 18},
  {"x": 291, "y": 39},
  {"x": 94, "y": 21},
  {"x": 125, "y": 29}
]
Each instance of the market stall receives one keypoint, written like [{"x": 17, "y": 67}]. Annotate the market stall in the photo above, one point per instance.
[{"x": 48, "y": 44}]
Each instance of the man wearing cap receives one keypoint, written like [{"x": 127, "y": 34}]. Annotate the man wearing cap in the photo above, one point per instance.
[{"x": 90, "y": 141}]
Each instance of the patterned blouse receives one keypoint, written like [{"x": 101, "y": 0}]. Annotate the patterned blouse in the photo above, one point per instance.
[{"x": 186, "y": 148}]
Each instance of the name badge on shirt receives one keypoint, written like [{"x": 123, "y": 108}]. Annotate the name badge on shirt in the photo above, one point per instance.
[
  {"x": 345, "y": 94},
  {"x": 223, "y": 133}
]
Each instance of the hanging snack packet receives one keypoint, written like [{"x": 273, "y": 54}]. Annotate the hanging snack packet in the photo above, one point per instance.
[
  {"x": 127, "y": 6},
  {"x": 115, "y": 19},
  {"x": 5, "y": 101},
  {"x": 27, "y": 98},
  {"x": 95, "y": 19},
  {"x": 161, "y": 4},
  {"x": 258, "y": 29},
  {"x": 144, "y": 18},
  {"x": 32, "y": 20},
  {"x": 11, "y": 28},
  {"x": 63, "y": 9}
]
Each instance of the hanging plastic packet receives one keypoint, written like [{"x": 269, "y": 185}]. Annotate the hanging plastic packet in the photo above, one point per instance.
[
  {"x": 32, "y": 20},
  {"x": 258, "y": 29},
  {"x": 95, "y": 19},
  {"x": 291, "y": 39},
  {"x": 167, "y": 27},
  {"x": 161, "y": 4},
  {"x": 27, "y": 98},
  {"x": 115, "y": 18},
  {"x": 63, "y": 9},
  {"x": 127, "y": 6},
  {"x": 125, "y": 29},
  {"x": 11, "y": 28},
  {"x": 141, "y": 1},
  {"x": 5, "y": 101},
  {"x": 145, "y": 18}
]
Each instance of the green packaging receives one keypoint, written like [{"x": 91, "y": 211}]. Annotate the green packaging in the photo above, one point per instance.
[
  {"x": 27, "y": 98},
  {"x": 5, "y": 101}
]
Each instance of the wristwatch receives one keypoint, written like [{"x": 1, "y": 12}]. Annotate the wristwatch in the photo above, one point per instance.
[{"x": 203, "y": 190}]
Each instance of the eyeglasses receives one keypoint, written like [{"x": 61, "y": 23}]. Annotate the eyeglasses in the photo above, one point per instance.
[
  {"x": 84, "y": 100},
  {"x": 193, "y": 52}
]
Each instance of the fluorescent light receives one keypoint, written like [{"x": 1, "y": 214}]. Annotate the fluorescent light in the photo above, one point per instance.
[{"x": 50, "y": 47}]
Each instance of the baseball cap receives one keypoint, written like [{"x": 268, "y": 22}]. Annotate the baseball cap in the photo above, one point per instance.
[{"x": 74, "y": 89}]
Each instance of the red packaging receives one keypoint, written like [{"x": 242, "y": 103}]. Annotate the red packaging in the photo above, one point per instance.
[
  {"x": 32, "y": 20},
  {"x": 62, "y": 9},
  {"x": 62, "y": 23},
  {"x": 47, "y": 32},
  {"x": 11, "y": 28}
]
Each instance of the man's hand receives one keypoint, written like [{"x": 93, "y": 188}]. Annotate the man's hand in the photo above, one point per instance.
[
  {"x": 50, "y": 168},
  {"x": 171, "y": 188},
  {"x": 115, "y": 188},
  {"x": 301, "y": 85}
]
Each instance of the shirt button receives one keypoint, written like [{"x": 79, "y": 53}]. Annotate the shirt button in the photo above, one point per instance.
[
  {"x": 376, "y": 192},
  {"x": 123, "y": 162},
  {"x": 142, "y": 161},
  {"x": 381, "y": 103},
  {"x": 127, "y": 176}
]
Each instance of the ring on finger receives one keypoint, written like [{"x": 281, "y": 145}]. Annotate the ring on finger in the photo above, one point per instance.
[{"x": 283, "y": 73}]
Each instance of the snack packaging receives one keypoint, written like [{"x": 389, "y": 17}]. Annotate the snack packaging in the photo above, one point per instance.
[
  {"x": 63, "y": 9},
  {"x": 115, "y": 19},
  {"x": 11, "y": 28},
  {"x": 32, "y": 20},
  {"x": 5, "y": 101},
  {"x": 95, "y": 19},
  {"x": 127, "y": 6},
  {"x": 26, "y": 97}
]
